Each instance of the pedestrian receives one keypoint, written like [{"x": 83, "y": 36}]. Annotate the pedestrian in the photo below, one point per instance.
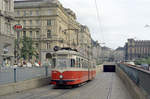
[
  {"x": 4, "y": 63},
  {"x": 29, "y": 64},
  {"x": 36, "y": 64},
  {"x": 46, "y": 64},
  {"x": 39, "y": 63},
  {"x": 24, "y": 64}
]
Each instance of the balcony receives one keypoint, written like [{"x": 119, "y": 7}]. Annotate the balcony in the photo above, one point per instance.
[
  {"x": 53, "y": 38},
  {"x": 32, "y": 27}
]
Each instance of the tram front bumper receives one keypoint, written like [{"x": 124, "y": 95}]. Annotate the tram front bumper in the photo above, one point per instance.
[{"x": 61, "y": 82}]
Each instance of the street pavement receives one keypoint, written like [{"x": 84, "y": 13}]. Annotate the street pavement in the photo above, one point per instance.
[{"x": 104, "y": 86}]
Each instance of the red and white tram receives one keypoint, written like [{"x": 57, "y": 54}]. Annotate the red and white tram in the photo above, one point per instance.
[{"x": 71, "y": 68}]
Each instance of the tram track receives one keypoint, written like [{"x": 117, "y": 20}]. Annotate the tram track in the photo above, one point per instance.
[
  {"x": 104, "y": 86},
  {"x": 110, "y": 88}
]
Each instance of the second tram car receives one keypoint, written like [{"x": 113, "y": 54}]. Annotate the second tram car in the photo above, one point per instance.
[{"x": 71, "y": 68}]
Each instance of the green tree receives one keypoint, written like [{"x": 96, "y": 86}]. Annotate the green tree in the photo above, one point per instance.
[
  {"x": 27, "y": 49},
  {"x": 143, "y": 61}
]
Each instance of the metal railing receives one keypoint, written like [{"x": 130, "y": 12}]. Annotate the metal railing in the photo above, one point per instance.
[
  {"x": 140, "y": 77},
  {"x": 13, "y": 75}
]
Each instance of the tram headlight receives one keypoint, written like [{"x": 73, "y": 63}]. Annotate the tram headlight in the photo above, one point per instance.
[{"x": 61, "y": 76}]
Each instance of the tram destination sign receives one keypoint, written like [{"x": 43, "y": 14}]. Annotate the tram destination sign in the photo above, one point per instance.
[{"x": 18, "y": 27}]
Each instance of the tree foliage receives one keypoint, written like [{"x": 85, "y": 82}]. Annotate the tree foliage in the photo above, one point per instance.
[
  {"x": 27, "y": 51},
  {"x": 142, "y": 61}
]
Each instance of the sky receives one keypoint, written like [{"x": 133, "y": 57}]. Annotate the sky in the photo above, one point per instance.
[{"x": 118, "y": 21}]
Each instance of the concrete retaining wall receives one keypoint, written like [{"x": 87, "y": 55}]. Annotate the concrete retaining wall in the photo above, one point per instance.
[
  {"x": 23, "y": 85},
  {"x": 134, "y": 90}
]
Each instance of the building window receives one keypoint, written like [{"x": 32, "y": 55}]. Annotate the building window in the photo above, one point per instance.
[
  {"x": 30, "y": 22},
  {"x": 49, "y": 12},
  {"x": 30, "y": 33},
  {"x": 18, "y": 13},
  {"x": 36, "y": 45},
  {"x": 49, "y": 23},
  {"x": 24, "y": 13},
  {"x": 24, "y": 22},
  {"x": 24, "y": 33},
  {"x": 37, "y": 22},
  {"x": 6, "y": 49},
  {"x": 30, "y": 13},
  {"x": 37, "y": 34},
  {"x": 37, "y": 12},
  {"x": 48, "y": 46},
  {"x": 6, "y": 5},
  {"x": 60, "y": 29},
  {"x": 72, "y": 62},
  {"x": 48, "y": 33},
  {"x": 7, "y": 27}
]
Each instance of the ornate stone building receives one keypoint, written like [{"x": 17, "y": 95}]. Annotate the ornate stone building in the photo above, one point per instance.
[
  {"x": 106, "y": 54},
  {"x": 85, "y": 43},
  {"x": 96, "y": 52},
  {"x": 6, "y": 31},
  {"x": 49, "y": 24},
  {"x": 135, "y": 49}
]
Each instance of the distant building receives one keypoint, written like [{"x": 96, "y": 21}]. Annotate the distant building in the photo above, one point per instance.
[
  {"x": 106, "y": 54},
  {"x": 6, "y": 31},
  {"x": 119, "y": 54},
  {"x": 96, "y": 51},
  {"x": 135, "y": 49}
]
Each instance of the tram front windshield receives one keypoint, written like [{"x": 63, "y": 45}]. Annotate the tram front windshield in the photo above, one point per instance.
[{"x": 62, "y": 63}]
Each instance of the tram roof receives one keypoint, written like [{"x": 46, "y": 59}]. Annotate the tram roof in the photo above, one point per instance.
[{"x": 69, "y": 52}]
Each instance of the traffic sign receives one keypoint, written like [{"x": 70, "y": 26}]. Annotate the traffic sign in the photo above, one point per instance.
[{"x": 18, "y": 27}]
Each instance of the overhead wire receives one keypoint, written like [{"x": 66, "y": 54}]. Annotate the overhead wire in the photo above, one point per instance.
[
  {"x": 98, "y": 11},
  {"x": 99, "y": 19}
]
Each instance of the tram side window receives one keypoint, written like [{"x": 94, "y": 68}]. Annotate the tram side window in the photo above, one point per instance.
[
  {"x": 54, "y": 63},
  {"x": 86, "y": 64},
  {"x": 83, "y": 64},
  {"x": 79, "y": 63},
  {"x": 72, "y": 62}
]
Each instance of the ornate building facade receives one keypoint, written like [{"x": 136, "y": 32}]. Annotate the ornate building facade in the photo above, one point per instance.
[
  {"x": 96, "y": 52},
  {"x": 135, "y": 49},
  {"x": 6, "y": 31},
  {"x": 85, "y": 41},
  {"x": 49, "y": 24}
]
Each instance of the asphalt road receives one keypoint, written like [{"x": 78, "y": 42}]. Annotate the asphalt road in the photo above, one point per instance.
[{"x": 104, "y": 86}]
